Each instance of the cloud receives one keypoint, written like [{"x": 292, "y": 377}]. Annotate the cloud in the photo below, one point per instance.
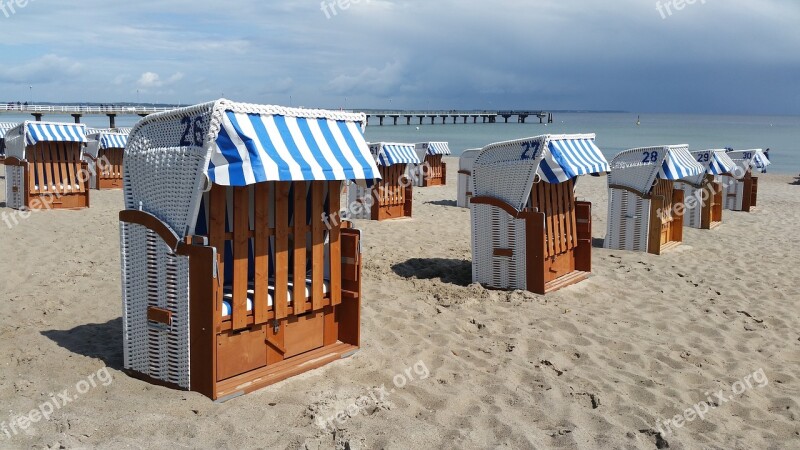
[
  {"x": 45, "y": 69},
  {"x": 150, "y": 80}
]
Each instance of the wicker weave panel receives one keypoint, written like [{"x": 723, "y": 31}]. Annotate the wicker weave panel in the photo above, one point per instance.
[
  {"x": 493, "y": 228},
  {"x": 732, "y": 193},
  {"x": 154, "y": 276},
  {"x": 628, "y": 221},
  {"x": 15, "y": 187},
  {"x": 465, "y": 182},
  {"x": 692, "y": 217}
]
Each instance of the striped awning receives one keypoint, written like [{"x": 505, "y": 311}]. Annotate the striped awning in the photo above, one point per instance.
[
  {"x": 36, "y": 132},
  {"x": 109, "y": 140},
  {"x": 390, "y": 154},
  {"x": 760, "y": 159},
  {"x": 438, "y": 148},
  {"x": 252, "y": 148},
  {"x": 5, "y": 126},
  {"x": 569, "y": 158},
  {"x": 124, "y": 130},
  {"x": 716, "y": 162},
  {"x": 678, "y": 164}
]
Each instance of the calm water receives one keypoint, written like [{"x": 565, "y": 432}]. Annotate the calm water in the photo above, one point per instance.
[{"x": 615, "y": 132}]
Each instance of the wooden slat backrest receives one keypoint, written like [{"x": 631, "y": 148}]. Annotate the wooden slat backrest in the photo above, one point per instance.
[
  {"x": 281, "y": 249},
  {"x": 335, "y": 249},
  {"x": 557, "y": 202},
  {"x": 317, "y": 244},
  {"x": 55, "y": 167},
  {"x": 261, "y": 192},
  {"x": 299, "y": 245},
  {"x": 110, "y": 163}
]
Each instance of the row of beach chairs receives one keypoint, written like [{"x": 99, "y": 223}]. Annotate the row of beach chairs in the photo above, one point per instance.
[{"x": 241, "y": 266}]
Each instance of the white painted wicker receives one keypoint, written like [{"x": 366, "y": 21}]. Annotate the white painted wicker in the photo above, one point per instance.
[{"x": 465, "y": 184}]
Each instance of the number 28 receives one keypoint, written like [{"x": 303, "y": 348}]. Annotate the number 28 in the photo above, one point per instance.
[{"x": 650, "y": 157}]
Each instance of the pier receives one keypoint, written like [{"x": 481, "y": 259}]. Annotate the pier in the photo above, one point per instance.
[
  {"x": 454, "y": 117},
  {"x": 395, "y": 117}
]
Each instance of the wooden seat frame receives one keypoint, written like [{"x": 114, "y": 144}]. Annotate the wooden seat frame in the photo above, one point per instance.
[{"x": 63, "y": 181}]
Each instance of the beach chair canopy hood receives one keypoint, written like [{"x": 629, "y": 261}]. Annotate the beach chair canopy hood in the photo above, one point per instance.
[
  {"x": 104, "y": 140},
  {"x": 31, "y": 133},
  {"x": 716, "y": 162},
  {"x": 390, "y": 153},
  {"x": 432, "y": 148},
  {"x": 749, "y": 159},
  {"x": 172, "y": 157},
  {"x": 639, "y": 168},
  {"x": 124, "y": 130},
  {"x": 5, "y": 126},
  {"x": 507, "y": 170}
]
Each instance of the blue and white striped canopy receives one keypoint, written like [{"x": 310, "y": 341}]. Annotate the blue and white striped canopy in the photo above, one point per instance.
[
  {"x": 5, "y": 126},
  {"x": 760, "y": 159},
  {"x": 569, "y": 158},
  {"x": 36, "y": 132},
  {"x": 715, "y": 161},
  {"x": 438, "y": 148},
  {"x": 124, "y": 130},
  {"x": 109, "y": 140},
  {"x": 251, "y": 148},
  {"x": 391, "y": 154},
  {"x": 678, "y": 164}
]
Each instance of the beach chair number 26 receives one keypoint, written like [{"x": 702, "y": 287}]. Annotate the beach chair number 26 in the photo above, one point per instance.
[
  {"x": 650, "y": 157},
  {"x": 530, "y": 149},
  {"x": 194, "y": 130},
  {"x": 703, "y": 157}
]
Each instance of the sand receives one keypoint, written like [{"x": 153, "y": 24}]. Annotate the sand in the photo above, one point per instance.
[{"x": 595, "y": 365}]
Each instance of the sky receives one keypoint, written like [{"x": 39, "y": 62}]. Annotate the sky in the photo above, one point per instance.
[{"x": 710, "y": 56}]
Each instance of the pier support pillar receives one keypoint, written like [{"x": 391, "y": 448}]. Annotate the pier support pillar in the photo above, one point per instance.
[
  {"x": 432, "y": 119},
  {"x": 77, "y": 117},
  {"x": 550, "y": 118},
  {"x": 521, "y": 118},
  {"x": 37, "y": 116},
  {"x": 408, "y": 120},
  {"x": 420, "y": 119},
  {"x": 454, "y": 119},
  {"x": 395, "y": 119},
  {"x": 112, "y": 120},
  {"x": 380, "y": 119}
]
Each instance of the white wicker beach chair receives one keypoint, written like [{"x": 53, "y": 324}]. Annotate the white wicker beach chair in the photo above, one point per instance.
[
  {"x": 740, "y": 188},
  {"x": 104, "y": 153},
  {"x": 642, "y": 197},
  {"x": 465, "y": 184},
  {"x": 392, "y": 196},
  {"x": 528, "y": 231},
  {"x": 4, "y": 127},
  {"x": 237, "y": 269},
  {"x": 702, "y": 194},
  {"x": 432, "y": 171},
  {"x": 44, "y": 169}
]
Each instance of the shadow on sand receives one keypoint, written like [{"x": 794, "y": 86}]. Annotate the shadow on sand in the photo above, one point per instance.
[
  {"x": 453, "y": 271},
  {"x": 96, "y": 340}
]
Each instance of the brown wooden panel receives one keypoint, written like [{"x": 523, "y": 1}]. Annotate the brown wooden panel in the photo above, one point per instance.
[
  {"x": 299, "y": 235},
  {"x": 281, "y": 248},
  {"x": 304, "y": 333},
  {"x": 238, "y": 353},
  {"x": 535, "y": 251},
  {"x": 317, "y": 243},
  {"x": 261, "y": 252},
  {"x": 159, "y": 315},
  {"x": 334, "y": 192},
  {"x": 241, "y": 244},
  {"x": 216, "y": 237}
]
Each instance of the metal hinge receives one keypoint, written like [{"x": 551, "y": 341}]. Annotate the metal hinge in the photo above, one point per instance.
[{"x": 276, "y": 326}]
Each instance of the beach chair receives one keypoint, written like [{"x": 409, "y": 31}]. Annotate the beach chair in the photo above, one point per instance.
[
  {"x": 104, "y": 153},
  {"x": 741, "y": 187},
  {"x": 44, "y": 169},
  {"x": 392, "y": 196},
  {"x": 237, "y": 271},
  {"x": 528, "y": 230},
  {"x": 433, "y": 170},
  {"x": 4, "y": 127},
  {"x": 642, "y": 198},
  {"x": 702, "y": 194},
  {"x": 123, "y": 130},
  {"x": 465, "y": 189}
]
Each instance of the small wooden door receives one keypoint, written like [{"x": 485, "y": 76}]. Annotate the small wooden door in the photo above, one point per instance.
[
  {"x": 664, "y": 189},
  {"x": 557, "y": 202}
]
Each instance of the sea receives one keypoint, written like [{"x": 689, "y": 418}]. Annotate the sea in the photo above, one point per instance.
[{"x": 615, "y": 132}]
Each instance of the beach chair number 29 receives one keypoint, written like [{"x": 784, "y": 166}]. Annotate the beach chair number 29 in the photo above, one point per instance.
[
  {"x": 703, "y": 157},
  {"x": 530, "y": 149},
  {"x": 650, "y": 157},
  {"x": 194, "y": 130}
]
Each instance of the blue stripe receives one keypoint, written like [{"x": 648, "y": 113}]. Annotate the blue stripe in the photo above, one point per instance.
[
  {"x": 328, "y": 135},
  {"x": 291, "y": 145},
  {"x": 305, "y": 130},
  {"x": 259, "y": 173},
  {"x": 231, "y": 155},
  {"x": 368, "y": 174},
  {"x": 284, "y": 173},
  {"x": 548, "y": 173}
]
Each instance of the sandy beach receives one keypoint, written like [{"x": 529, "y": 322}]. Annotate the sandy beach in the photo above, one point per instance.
[{"x": 606, "y": 363}]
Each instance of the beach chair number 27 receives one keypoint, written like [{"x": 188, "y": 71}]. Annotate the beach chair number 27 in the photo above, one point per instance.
[
  {"x": 650, "y": 157},
  {"x": 194, "y": 130},
  {"x": 530, "y": 149}
]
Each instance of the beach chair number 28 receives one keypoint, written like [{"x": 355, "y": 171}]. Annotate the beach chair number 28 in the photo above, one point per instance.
[
  {"x": 530, "y": 149},
  {"x": 650, "y": 157},
  {"x": 703, "y": 157},
  {"x": 194, "y": 130}
]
